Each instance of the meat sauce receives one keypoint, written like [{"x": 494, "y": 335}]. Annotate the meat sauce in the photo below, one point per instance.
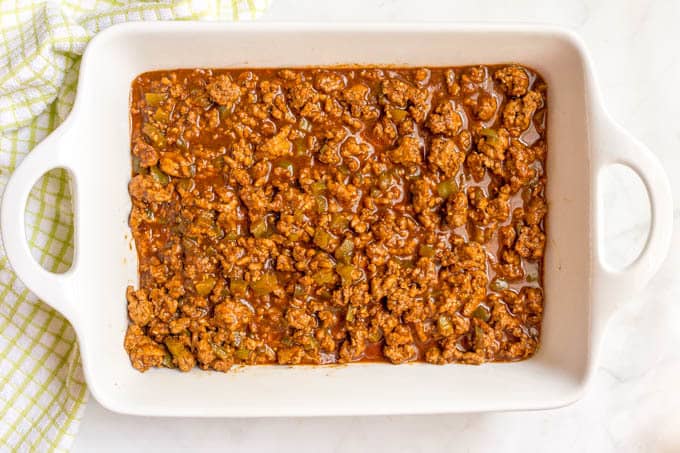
[{"x": 335, "y": 215}]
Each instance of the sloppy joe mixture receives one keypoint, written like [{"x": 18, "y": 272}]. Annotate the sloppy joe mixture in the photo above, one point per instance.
[{"x": 336, "y": 215}]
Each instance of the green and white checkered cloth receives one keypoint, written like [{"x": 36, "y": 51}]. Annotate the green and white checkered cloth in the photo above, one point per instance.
[{"x": 42, "y": 391}]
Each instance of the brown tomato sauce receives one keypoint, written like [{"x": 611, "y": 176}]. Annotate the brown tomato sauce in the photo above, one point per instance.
[{"x": 333, "y": 215}]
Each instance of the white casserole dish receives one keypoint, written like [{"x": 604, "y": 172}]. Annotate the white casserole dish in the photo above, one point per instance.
[{"x": 93, "y": 145}]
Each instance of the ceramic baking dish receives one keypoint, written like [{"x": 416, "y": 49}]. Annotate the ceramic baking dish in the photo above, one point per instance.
[{"x": 581, "y": 292}]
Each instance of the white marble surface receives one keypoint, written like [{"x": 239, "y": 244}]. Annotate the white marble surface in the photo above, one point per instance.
[{"x": 634, "y": 402}]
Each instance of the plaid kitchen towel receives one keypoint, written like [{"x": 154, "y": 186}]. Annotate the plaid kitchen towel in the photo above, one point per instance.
[{"x": 42, "y": 391}]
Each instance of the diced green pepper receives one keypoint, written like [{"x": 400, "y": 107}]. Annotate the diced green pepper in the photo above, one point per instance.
[
  {"x": 324, "y": 277},
  {"x": 136, "y": 165},
  {"x": 445, "y": 326},
  {"x": 481, "y": 312},
  {"x": 167, "y": 360},
  {"x": 486, "y": 132},
  {"x": 312, "y": 344},
  {"x": 265, "y": 284},
  {"x": 398, "y": 115},
  {"x": 200, "y": 98},
  {"x": 318, "y": 187},
  {"x": 405, "y": 263},
  {"x": 374, "y": 335},
  {"x": 154, "y": 99},
  {"x": 321, "y": 204},
  {"x": 242, "y": 354},
  {"x": 238, "y": 287},
  {"x": 339, "y": 221},
  {"x": 225, "y": 111},
  {"x": 288, "y": 166},
  {"x": 345, "y": 251},
  {"x": 447, "y": 188},
  {"x": 384, "y": 181},
  {"x": 324, "y": 149},
  {"x": 346, "y": 273},
  {"x": 153, "y": 134},
  {"x": 162, "y": 116},
  {"x": 491, "y": 136},
  {"x": 179, "y": 228},
  {"x": 205, "y": 286},
  {"x": 219, "y": 351},
  {"x": 426, "y": 250},
  {"x": 260, "y": 229},
  {"x": 322, "y": 238},
  {"x": 176, "y": 348},
  {"x": 351, "y": 313},
  {"x": 299, "y": 290},
  {"x": 518, "y": 228},
  {"x": 158, "y": 175},
  {"x": 532, "y": 278},
  {"x": 186, "y": 184},
  {"x": 478, "y": 195}
]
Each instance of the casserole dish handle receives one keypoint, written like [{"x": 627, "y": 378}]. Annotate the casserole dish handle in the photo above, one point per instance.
[
  {"x": 619, "y": 147},
  {"x": 55, "y": 289}
]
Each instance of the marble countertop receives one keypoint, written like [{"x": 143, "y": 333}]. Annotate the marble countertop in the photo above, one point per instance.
[{"x": 633, "y": 402}]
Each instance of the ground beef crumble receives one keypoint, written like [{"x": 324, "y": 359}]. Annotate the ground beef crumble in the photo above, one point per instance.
[{"x": 334, "y": 215}]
